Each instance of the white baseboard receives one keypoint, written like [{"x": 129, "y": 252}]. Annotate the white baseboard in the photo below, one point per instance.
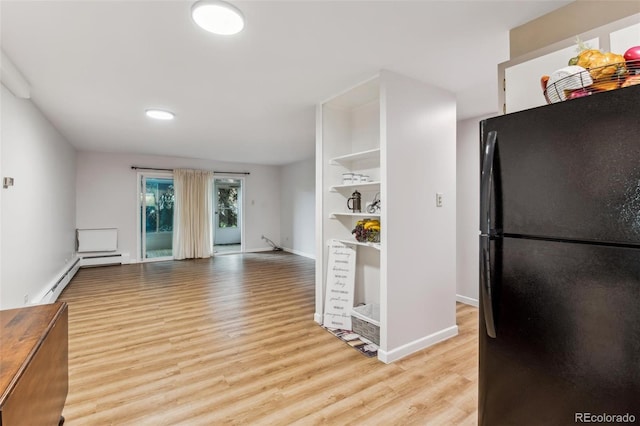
[
  {"x": 417, "y": 345},
  {"x": 258, "y": 250},
  {"x": 467, "y": 300},
  {"x": 299, "y": 253}
]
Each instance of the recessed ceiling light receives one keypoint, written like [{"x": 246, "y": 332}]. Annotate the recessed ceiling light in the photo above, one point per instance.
[
  {"x": 218, "y": 17},
  {"x": 160, "y": 114}
]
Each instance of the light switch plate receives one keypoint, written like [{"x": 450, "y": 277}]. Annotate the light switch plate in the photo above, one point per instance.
[{"x": 7, "y": 182}]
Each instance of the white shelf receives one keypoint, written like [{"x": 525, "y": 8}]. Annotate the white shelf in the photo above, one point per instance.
[
  {"x": 365, "y": 185},
  {"x": 356, "y": 156},
  {"x": 337, "y": 214},
  {"x": 358, "y": 243}
]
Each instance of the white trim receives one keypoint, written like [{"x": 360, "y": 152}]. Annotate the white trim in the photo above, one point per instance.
[
  {"x": 317, "y": 318},
  {"x": 467, "y": 300},
  {"x": 138, "y": 220},
  {"x": 417, "y": 345},
  {"x": 241, "y": 207},
  {"x": 299, "y": 253},
  {"x": 319, "y": 219}
]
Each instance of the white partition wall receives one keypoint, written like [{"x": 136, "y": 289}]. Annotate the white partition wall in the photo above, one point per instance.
[{"x": 418, "y": 152}]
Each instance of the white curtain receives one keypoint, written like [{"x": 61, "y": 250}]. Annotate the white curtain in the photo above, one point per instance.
[{"x": 192, "y": 215}]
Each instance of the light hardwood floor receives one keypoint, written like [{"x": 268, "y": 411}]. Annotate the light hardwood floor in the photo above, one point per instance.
[{"x": 232, "y": 340}]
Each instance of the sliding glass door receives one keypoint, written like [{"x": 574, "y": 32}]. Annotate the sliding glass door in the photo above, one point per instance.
[{"x": 156, "y": 216}]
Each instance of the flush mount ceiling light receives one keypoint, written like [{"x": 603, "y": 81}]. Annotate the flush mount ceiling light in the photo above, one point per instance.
[
  {"x": 217, "y": 17},
  {"x": 160, "y": 114}
]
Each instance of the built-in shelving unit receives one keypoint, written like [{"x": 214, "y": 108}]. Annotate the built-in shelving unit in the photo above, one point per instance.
[{"x": 415, "y": 284}]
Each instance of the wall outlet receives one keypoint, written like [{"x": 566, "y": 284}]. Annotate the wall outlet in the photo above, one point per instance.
[
  {"x": 26, "y": 299},
  {"x": 438, "y": 199}
]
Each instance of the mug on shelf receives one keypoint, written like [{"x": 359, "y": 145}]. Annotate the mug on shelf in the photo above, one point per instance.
[{"x": 347, "y": 178}]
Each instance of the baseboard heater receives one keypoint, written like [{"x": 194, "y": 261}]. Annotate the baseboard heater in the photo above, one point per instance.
[
  {"x": 98, "y": 259},
  {"x": 97, "y": 247},
  {"x": 54, "y": 291}
]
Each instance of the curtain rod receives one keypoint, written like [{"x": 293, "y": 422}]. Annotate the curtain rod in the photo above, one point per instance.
[{"x": 170, "y": 170}]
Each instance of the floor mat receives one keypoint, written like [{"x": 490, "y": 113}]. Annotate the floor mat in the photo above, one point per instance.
[{"x": 362, "y": 345}]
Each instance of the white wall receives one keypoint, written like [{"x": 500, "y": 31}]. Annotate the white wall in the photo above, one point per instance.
[
  {"x": 38, "y": 213},
  {"x": 418, "y": 158},
  {"x": 107, "y": 195},
  {"x": 298, "y": 207},
  {"x": 468, "y": 212}
]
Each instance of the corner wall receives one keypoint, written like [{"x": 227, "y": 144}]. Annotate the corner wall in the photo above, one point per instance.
[
  {"x": 297, "y": 207},
  {"x": 38, "y": 212}
]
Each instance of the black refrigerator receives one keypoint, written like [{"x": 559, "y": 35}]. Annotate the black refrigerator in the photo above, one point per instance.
[{"x": 559, "y": 339}]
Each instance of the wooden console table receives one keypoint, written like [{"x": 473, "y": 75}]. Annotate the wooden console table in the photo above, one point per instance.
[{"x": 34, "y": 372}]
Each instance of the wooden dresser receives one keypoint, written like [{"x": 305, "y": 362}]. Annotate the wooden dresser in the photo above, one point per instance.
[{"x": 34, "y": 372}]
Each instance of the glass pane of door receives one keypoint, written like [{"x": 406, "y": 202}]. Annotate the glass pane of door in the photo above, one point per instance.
[
  {"x": 157, "y": 217},
  {"x": 227, "y": 226}
]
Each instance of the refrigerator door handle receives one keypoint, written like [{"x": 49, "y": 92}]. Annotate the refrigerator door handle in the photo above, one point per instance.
[
  {"x": 485, "y": 231},
  {"x": 486, "y": 183},
  {"x": 485, "y": 285}
]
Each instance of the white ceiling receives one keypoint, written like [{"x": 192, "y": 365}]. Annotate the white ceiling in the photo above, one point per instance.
[{"x": 95, "y": 66}]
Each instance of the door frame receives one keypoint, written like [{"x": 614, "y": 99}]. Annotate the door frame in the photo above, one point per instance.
[
  {"x": 140, "y": 204},
  {"x": 241, "y": 207}
]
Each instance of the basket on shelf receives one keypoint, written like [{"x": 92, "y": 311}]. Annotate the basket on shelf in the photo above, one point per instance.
[
  {"x": 592, "y": 80},
  {"x": 373, "y": 236},
  {"x": 367, "y": 231}
]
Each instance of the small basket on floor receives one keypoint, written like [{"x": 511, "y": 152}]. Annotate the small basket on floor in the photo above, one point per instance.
[{"x": 365, "y": 321}]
